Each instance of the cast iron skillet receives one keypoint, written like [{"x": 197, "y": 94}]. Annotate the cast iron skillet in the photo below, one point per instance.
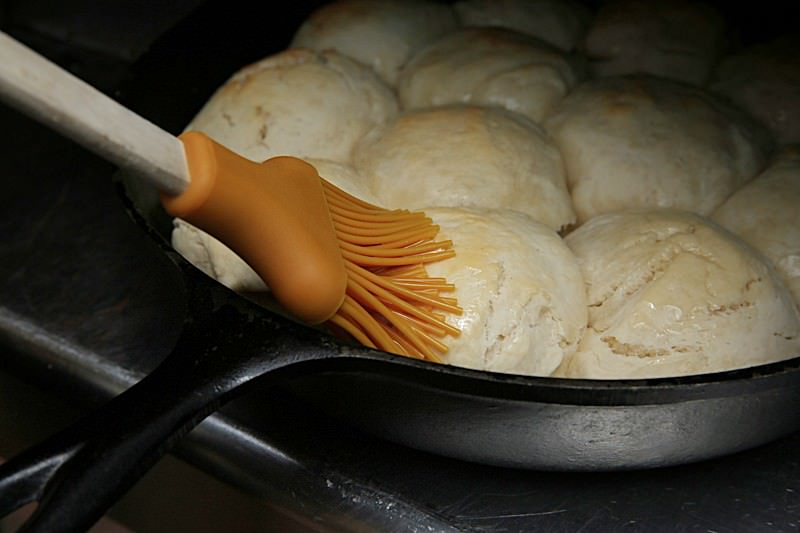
[{"x": 229, "y": 342}]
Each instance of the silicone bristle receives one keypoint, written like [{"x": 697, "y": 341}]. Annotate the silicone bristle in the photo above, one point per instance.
[{"x": 391, "y": 304}]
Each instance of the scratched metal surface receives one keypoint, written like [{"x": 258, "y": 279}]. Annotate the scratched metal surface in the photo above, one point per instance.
[{"x": 86, "y": 307}]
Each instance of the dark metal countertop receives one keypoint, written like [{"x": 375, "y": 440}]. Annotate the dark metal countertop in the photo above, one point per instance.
[{"x": 88, "y": 305}]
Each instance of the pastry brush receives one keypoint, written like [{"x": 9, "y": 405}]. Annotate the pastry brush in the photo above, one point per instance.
[{"x": 326, "y": 256}]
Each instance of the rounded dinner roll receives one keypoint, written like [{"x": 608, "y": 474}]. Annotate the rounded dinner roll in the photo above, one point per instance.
[
  {"x": 467, "y": 156},
  {"x": 671, "y": 293},
  {"x": 218, "y": 261},
  {"x": 766, "y": 214},
  {"x": 380, "y": 33},
  {"x": 676, "y": 39},
  {"x": 488, "y": 66},
  {"x": 520, "y": 287},
  {"x": 641, "y": 141},
  {"x": 300, "y": 103},
  {"x": 764, "y": 80},
  {"x": 562, "y": 23}
]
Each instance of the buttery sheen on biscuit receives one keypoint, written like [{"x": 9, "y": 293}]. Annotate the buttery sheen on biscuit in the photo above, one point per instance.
[
  {"x": 671, "y": 293},
  {"x": 520, "y": 287}
]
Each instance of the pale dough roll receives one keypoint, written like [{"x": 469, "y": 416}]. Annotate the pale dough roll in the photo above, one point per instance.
[
  {"x": 221, "y": 263},
  {"x": 520, "y": 287},
  {"x": 488, "y": 66},
  {"x": 300, "y": 103},
  {"x": 641, "y": 141},
  {"x": 676, "y": 39},
  {"x": 382, "y": 34},
  {"x": 671, "y": 293},
  {"x": 466, "y": 156},
  {"x": 562, "y": 23},
  {"x": 766, "y": 214},
  {"x": 764, "y": 80}
]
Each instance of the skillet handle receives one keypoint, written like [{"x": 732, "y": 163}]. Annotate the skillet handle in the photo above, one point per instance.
[
  {"x": 23, "y": 479},
  {"x": 77, "y": 474}
]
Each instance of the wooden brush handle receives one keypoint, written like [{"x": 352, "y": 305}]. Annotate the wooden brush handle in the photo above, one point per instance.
[{"x": 53, "y": 96}]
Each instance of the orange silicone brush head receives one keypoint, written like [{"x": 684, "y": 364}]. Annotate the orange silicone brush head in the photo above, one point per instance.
[
  {"x": 390, "y": 302},
  {"x": 325, "y": 255}
]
